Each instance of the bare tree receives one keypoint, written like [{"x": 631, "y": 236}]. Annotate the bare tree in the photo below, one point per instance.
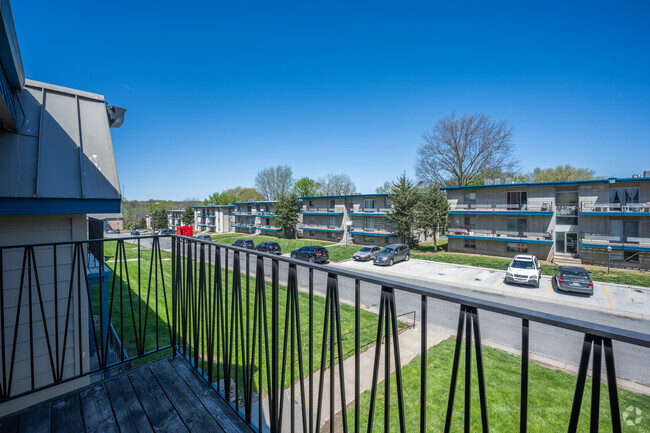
[
  {"x": 274, "y": 182},
  {"x": 459, "y": 151},
  {"x": 385, "y": 188},
  {"x": 337, "y": 184}
]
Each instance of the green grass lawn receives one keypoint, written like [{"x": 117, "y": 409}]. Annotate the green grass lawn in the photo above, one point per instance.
[
  {"x": 550, "y": 396},
  {"x": 145, "y": 303},
  {"x": 287, "y": 245},
  {"x": 342, "y": 252},
  {"x": 426, "y": 252}
]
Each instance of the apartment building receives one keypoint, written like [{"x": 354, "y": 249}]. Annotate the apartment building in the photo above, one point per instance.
[
  {"x": 357, "y": 218},
  {"x": 174, "y": 219},
  {"x": 591, "y": 220},
  {"x": 214, "y": 218},
  {"x": 255, "y": 217}
]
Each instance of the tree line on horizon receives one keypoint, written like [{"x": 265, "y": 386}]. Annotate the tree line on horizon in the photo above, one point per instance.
[{"x": 457, "y": 151}]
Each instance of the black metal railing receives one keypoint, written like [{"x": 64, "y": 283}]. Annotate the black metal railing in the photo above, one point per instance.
[
  {"x": 82, "y": 314},
  {"x": 261, "y": 327},
  {"x": 266, "y": 341}
]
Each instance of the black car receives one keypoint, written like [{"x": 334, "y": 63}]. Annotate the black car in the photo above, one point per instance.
[
  {"x": 311, "y": 253},
  {"x": 269, "y": 247},
  {"x": 391, "y": 254},
  {"x": 244, "y": 243},
  {"x": 574, "y": 279},
  {"x": 204, "y": 238},
  {"x": 135, "y": 232}
]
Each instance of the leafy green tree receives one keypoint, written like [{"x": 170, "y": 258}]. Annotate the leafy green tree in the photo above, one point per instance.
[
  {"x": 561, "y": 173},
  {"x": 187, "y": 217},
  {"x": 431, "y": 212},
  {"x": 287, "y": 209},
  {"x": 159, "y": 219},
  {"x": 404, "y": 197},
  {"x": 306, "y": 187}
]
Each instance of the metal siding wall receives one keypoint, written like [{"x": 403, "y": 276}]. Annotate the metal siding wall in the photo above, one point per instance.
[{"x": 17, "y": 230}]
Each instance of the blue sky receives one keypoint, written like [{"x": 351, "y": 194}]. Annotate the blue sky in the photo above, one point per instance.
[{"x": 216, "y": 91}]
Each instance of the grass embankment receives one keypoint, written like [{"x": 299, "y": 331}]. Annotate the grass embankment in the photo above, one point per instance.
[
  {"x": 145, "y": 303},
  {"x": 337, "y": 252},
  {"x": 550, "y": 395},
  {"x": 427, "y": 252}
]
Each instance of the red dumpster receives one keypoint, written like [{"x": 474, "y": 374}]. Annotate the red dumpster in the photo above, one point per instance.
[{"x": 185, "y": 231}]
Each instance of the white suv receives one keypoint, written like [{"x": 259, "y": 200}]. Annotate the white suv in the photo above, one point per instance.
[{"x": 524, "y": 269}]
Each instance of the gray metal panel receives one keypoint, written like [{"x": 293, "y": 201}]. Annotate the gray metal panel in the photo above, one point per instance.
[
  {"x": 98, "y": 161},
  {"x": 63, "y": 150},
  {"x": 59, "y": 173},
  {"x": 18, "y": 156}
]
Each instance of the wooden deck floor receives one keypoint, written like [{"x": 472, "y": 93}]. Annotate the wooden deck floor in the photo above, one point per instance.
[{"x": 163, "y": 396}]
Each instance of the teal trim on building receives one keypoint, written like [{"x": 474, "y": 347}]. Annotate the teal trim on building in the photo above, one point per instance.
[
  {"x": 500, "y": 212},
  {"x": 323, "y": 230},
  {"x": 615, "y": 247},
  {"x": 368, "y": 214},
  {"x": 616, "y": 214},
  {"x": 382, "y": 235},
  {"x": 499, "y": 239},
  {"x": 322, "y": 213}
]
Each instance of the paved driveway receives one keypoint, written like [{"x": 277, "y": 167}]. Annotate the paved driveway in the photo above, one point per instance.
[{"x": 612, "y": 297}]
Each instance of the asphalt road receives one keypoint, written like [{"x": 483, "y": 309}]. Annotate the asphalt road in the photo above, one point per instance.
[{"x": 632, "y": 362}]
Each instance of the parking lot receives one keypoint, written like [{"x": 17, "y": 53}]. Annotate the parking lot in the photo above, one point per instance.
[{"x": 610, "y": 297}]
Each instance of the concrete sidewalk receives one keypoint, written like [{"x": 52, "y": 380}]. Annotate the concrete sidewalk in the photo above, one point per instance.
[{"x": 409, "y": 344}]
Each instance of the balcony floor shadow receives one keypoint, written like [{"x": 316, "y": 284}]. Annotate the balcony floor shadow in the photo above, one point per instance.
[{"x": 167, "y": 395}]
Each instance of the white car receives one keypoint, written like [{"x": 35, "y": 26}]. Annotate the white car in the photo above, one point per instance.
[{"x": 524, "y": 269}]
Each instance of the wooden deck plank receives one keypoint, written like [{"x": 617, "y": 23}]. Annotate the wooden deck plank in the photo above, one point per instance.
[
  {"x": 188, "y": 406},
  {"x": 224, "y": 415},
  {"x": 66, "y": 414},
  {"x": 96, "y": 409},
  {"x": 128, "y": 411},
  {"x": 36, "y": 420},
  {"x": 162, "y": 415}
]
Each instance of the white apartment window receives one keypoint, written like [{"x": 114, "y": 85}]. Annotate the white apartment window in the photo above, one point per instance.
[
  {"x": 624, "y": 195},
  {"x": 516, "y": 248},
  {"x": 311, "y": 233},
  {"x": 332, "y": 204},
  {"x": 518, "y": 225},
  {"x": 470, "y": 243},
  {"x": 311, "y": 219},
  {"x": 388, "y": 203},
  {"x": 331, "y": 221},
  {"x": 470, "y": 222},
  {"x": 370, "y": 223},
  {"x": 311, "y": 203},
  {"x": 470, "y": 197},
  {"x": 369, "y": 204},
  {"x": 330, "y": 235},
  {"x": 516, "y": 199},
  {"x": 369, "y": 238}
]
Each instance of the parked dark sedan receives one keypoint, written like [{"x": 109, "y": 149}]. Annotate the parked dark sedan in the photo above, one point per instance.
[
  {"x": 269, "y": 247},
  {"x": 135, "y": 232},
  {"x": 204, "y": 237},
  {"x": 244, "y": 243},
  {"x": 574, "y": 279},
  {"x": 391, "y": 254},
  {"x": 311, "y": 253}
]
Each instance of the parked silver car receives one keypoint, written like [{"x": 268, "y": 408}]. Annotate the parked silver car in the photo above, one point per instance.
[
  {"x": 391, "y": 254},
  {"x": 366, "y": 253}
]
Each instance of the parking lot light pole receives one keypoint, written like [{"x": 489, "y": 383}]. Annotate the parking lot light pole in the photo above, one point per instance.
[{"x": 609, "y": 257}]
